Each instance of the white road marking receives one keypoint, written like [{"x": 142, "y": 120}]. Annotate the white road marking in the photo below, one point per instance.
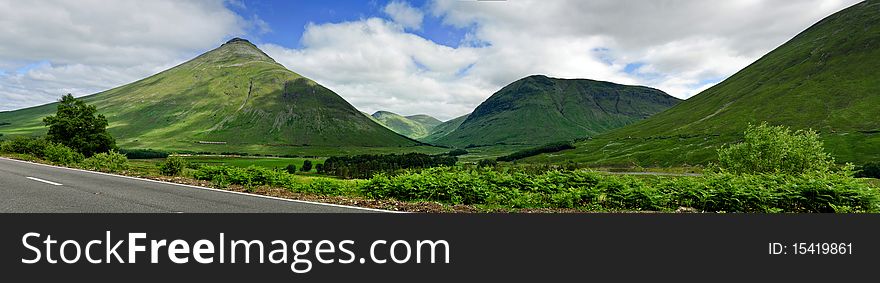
[{"x": 44, "y": 181}]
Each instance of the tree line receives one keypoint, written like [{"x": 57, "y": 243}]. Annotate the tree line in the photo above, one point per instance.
[{"x": 365, "y": 166}]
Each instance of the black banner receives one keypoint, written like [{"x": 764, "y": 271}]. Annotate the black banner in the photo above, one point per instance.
[{"x": 487, "y": 248}]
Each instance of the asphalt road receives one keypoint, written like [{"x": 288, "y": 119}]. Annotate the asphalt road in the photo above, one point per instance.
[{"x": 29, "y": 187}]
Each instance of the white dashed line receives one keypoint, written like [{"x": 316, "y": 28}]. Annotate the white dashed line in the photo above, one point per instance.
[{"x": 44, "y": 181}]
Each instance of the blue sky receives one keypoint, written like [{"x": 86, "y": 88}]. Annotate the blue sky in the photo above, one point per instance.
[
  {"x": 435, "y": 57},
  {"x": 287, "y": 19}
]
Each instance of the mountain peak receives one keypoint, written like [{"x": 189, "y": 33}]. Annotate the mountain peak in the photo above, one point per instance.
[
  {"x": 236, "y": 50},
  {"x": 238, "y": 39}
]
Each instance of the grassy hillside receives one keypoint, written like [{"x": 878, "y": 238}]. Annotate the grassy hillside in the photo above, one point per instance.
[
  {"x": 444, "y": 129},
  {"x": 234, "y": 96},
  {"x": 825, "y": 78},
  {"x": 538, "y": 110},
  {"x": 416, "y": 126}
]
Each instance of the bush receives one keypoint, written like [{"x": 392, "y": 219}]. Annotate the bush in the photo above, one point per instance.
[
  {"x": 869, "y": 170},
  {"x": 26, "y": 145},
  {"x": 319, "y": 167},
  {"x": 290, "y": 169},
  {"x": 110, "y": 162},
  {"x": 173, "y": 166},
  {"x": 61, "y": 155},
  {"x": 547, "y": 148},
  {"x": 775, "y": 149},
  {"x": 307, "y": 166}
]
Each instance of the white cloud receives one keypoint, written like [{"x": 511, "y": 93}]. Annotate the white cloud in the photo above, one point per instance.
[
  {"x": 681, "y": 47},
  {"x": 404, "y": 14},
  {"x": 54, "y": 47}
]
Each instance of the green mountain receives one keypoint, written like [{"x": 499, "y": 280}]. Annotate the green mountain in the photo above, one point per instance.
[
  {"x": 416, "y": 126},
  {"x": 538, "y": 110},
  {"x": 235, "y": 96},
  {"x": 428, "y": 121},
  {"x": 444, "y": 129},
  {"x": 825, "y": 78}
]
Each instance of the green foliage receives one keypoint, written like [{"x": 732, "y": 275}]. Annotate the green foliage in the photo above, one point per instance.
[
  {"x": 110, "y": 162},
  {"x": 78, "y": 126},
  {"x": 258, "y": 176},
  {"x": 365, "y": 166},
  {"x": 583, "y": 189},
  {"x": 319, "y": 167},
  {"x": 307, "y": 166},
  {"x": 26, "y": 145},
  {"x": 291, "y": 169},
  {"x": 547, "y": 148},
  {"x": 869, "y": 170},
  {"x": 775, "y": 149},
  {"x": 173, "y": 166},
  {"x": 61, "y": 155},
  {"x": 143, "y": 153}
]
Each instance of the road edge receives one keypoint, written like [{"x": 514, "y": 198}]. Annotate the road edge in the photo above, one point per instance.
[{"x": 209, "y": 189}]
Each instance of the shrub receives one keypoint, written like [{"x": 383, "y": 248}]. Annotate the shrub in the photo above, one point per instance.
[
  {"x": 26, "y": 145},
  {"x": 111, "y": 161},
  {"x": 547, "y": 148},
  {"x": 583, "y": 189},
  {"x": 775, "y": 149},
  {"x": 290, "y": 169},
  {"x": 61, "y": 155},
  {"x": 173, "y": 166},
  {"x": 365, "y": 166},
  {"x": 869, "y": 170},
  {"x": 307, "y": 166},
  {"x": 319, "y": 167}
]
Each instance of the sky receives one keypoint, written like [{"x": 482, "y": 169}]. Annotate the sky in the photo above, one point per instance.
[{"x": 435, "y": 57}]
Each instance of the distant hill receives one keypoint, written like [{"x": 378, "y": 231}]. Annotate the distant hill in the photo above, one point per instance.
[
  {"x": 415, "y": 126},
  {"x": 234, "y": 95},
  {"x": 825, "y": 78},
  {"x": 444, "y": 129},
  {"x": 537, "y": 110}
]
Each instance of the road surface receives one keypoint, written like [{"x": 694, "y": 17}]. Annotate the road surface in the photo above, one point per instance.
[{"x": 29, "y": 187}]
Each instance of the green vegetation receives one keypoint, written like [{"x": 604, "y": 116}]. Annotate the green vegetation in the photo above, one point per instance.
[
  {"x": 233, "y": 98},
  {"x": 416, "y": 126},
  {"x": 444, "y": 129},
  {"x": 824, "y": 79},
  {"x": 547, "y": 148},
  {"x": 769, "y": 149},
  {"x": 61, "y": 154},
  {"x": 538, "y": 110},
  {"x": 307, "y": 166},
  {"x": 110, "y": 162},
  {"x": 247, "y": 161},
  {"x": 589, "y": 190},
  {"x": 291, "y": 169},
  {"x": 365, "y": 166},
  {"x": 78, "y": 126},
  {"x": 258, "y": 176},
  {"x": 173, "y": 166}
]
